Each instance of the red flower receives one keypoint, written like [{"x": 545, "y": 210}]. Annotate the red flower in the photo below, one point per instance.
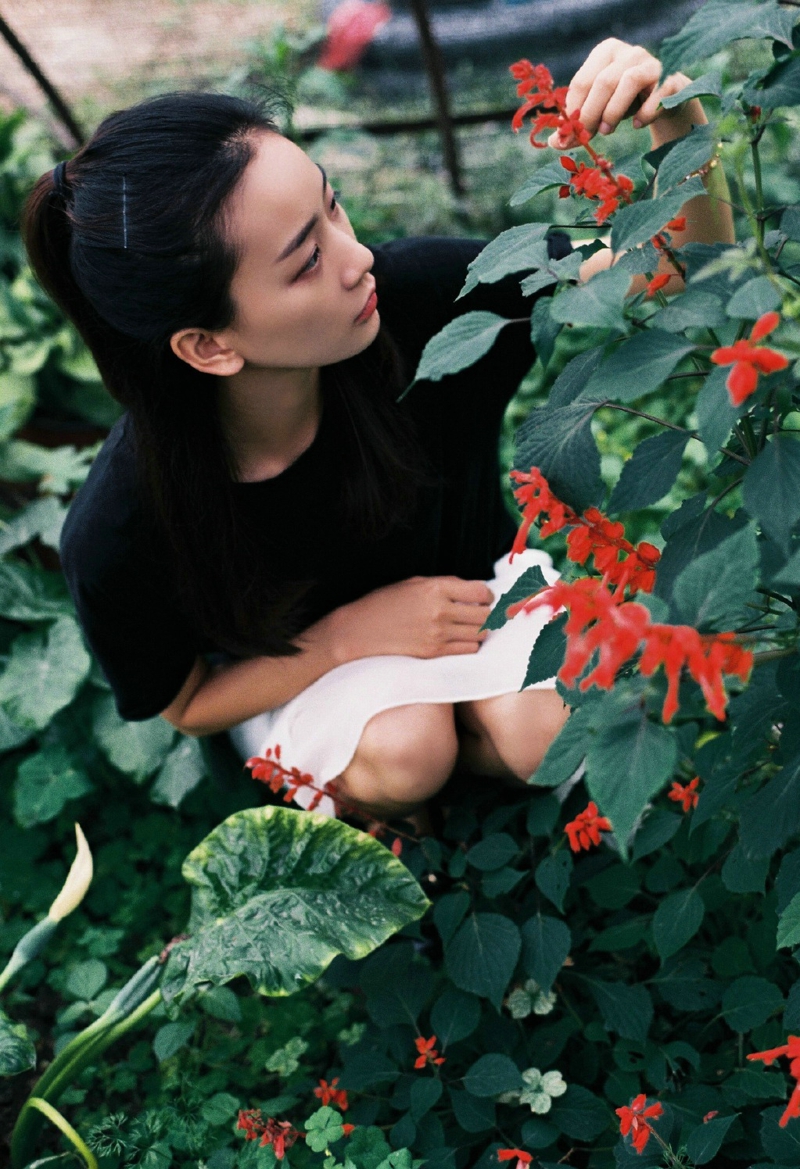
[
  {"x": 427, "y": 1052},
  {"x": 585, "y": 829},
  {"x": 521, "y": 1156},
  {"x": 791, "y": 1050},
  {"x": 710, "y": 1116},
  {"x": 351, "y": 27},
  {"x": 278, "y": 1133},
  {"x": 657, "y": 282},
  {"x": 749, "y": 360},
  {"x": 685, "y": 793},
  {"x": 272, "y": 772},
  {"x": 328, "y": 1093},
  {"x": 678, "y": 224},
  {"x": 397, "y": 846},
  {"x": 347, "y": 1129},
  {"x": 633, "y": 1119}
]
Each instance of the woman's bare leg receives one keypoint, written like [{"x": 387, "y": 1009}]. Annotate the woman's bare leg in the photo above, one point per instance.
[
  {"x": 404, "y": 756},
  {"x": 509, "y": 735}
]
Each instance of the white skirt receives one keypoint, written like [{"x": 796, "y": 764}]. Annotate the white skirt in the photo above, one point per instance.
[{"x": 318, "y": 730}]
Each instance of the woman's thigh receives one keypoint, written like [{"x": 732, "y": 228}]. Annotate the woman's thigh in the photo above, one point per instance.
[{"x": 515, "y": 728}]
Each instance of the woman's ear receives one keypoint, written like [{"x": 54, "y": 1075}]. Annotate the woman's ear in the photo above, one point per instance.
[{"x": 204, "y": 352}]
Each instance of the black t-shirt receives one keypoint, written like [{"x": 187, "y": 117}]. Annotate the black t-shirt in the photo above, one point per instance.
[{"x": 126, "y": 601}]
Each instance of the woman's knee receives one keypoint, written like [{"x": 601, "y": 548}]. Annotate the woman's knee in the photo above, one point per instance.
[
  {"x": 404, "y": 755},
  {"x": 520, "y": 726}
]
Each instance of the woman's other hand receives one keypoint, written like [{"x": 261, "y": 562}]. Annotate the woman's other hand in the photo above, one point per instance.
[
  {"x": 617, "y": 81},
  {"x": 423, "y": 617}
]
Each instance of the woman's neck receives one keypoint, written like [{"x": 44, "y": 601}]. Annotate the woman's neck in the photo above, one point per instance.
[{"x": 269, "y": 417}]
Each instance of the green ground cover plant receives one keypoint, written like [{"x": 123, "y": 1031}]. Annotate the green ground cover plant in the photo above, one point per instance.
[{"x": 602, "y": 953}]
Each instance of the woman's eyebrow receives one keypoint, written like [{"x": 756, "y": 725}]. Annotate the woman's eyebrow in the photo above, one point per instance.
[{"x": 302, "y": 235}]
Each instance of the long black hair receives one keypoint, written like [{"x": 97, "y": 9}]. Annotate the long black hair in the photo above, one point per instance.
[{"x": 129, "y": 239}]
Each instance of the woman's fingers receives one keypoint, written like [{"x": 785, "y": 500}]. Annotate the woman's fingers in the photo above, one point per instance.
[
  {"x": 632, "y": 89},
  {"x": 465, "y": 614},
  {"x": 650, "y": 108},
  {"x": 600, "y": 56},
  {"x": 475, "y": 592}
]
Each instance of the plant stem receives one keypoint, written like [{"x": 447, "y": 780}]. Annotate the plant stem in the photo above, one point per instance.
[
  {"x": 55, "y": 1117},
  {"x": 759, "y": 190},
  {"x": 672, "y": 426}
]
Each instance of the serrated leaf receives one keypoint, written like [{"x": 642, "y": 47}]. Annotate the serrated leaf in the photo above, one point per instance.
[
  {"x": 530, "y": 582},
  {"x": 544, "y": 177},
  {"x": 677, "y": 919},
  {"x": 17, "y": 1053},
  {"x": 692, "y": 309},
  {"x": 753, "y": 299},
  {"x": 780, "y": 86},
  {"x": 570, "y": 383},
  {"x": 544, "y": 329},
  {"x": 43, "y": 518},
  {"x": 481, "y": 957},
  {"x": 712, "y": 591},
  {"x": 635, "y": 223},
  {"x": 771, "y": 489},
  {"x": 560, "y": 443},
  {"x": 637, "y": 367},
  {"x": 458, "y": 345},
  {"x": 547, "y": 655},
  {"x": 650, "y": 473},
  {"x": 491, "y": 1075},
  {"x": 552, "y": 272},
  {"x": 597, "y": 302},
  {"x": 546, "y": 943},
  {"x": 709, "y": 84},
  {"x": 718, "y": 23},
  {"x": 567, "y": 751},
  {"x": 43, "y": 673},
  {"x": 687, "y": 155},
  {"x": 135, "y": 748},
  {"x": 45, "y": 783},
  {"x": 277, "y": 894},
  {"x": 769, "y": 817},
  {"x": 513, "y": 250},
  {"x": 704, "y": 1143}
]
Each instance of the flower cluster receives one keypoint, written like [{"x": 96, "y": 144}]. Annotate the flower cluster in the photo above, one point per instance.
[
  {"x": 791, "y": 1050},
  {"x": 271, "y": 771},
  {"x": 634, "y": 1118},
  {"x": 685, "y": 794},
  {"x": 661, "y": 241},
  {"x": 749, "y": 360},
  {"x": 593, "y": 534},
  {"x": 519, "y": 1155},
  {"x": 427, "y": 1053},
  {"x": 585, "y": 829},
  {"x": 278, "y": 1133},
  {"x": 328, "y": 1093}
]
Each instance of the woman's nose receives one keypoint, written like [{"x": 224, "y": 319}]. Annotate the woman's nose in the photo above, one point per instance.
[{"x": 359, "y": 262}]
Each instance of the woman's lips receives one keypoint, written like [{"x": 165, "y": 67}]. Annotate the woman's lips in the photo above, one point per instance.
[{"x": 369, "y": 307}]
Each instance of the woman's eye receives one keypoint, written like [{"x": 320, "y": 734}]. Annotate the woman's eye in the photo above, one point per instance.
[{"x": 312, "y": 261}]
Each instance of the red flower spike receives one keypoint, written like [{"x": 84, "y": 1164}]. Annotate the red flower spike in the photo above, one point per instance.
[
  {"x": 278, "y": 1133},
  {"x": 585, "y": 829},
  {"x": 685, "y": 793},
  {"x": 749, "y": 360},
  {"x": 633, "y": 1119},
  {"x": 656, "y": 283}
]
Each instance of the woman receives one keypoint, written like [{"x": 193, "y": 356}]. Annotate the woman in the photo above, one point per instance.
[{"x": 266, "y": 520}]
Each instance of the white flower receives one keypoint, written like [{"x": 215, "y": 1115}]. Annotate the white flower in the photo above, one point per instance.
[
  {"x": 530, "y": 998},
  {"x": 79, "y": 878},
  {"x": 540, "y": 1089}
]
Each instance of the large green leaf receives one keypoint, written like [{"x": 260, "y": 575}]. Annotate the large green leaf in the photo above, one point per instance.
[
  {"x": 771, "y": 489},
  {"x": 709, "y": 83},
  {"x": 704, "y": 1143},
  {"x": 43, "y": 518},
  {"x": 455, "y": 1016},
  {"x": 492, "y": 1074},
  {"x": 183, "y": 769},
  {"x": 715, "y": 412},
  {"x": 277, "y": 894},
  {"x": 45, "y": 783},
  {"x": 546, "y": 943},
  {"x": 482, "y": 955},
  {"x": 753, "y": 299},
  {"x": 560, "y": 443},
  {"x": 17, "y": 1053},
  {"x": 718, "y": 23},
  {"x": 685, "y": 156},
  {"x": 547, "y": 655},
  {"x": 749, "y": 1001},
  {"x": 30, "y": 594},
  {"x": 637, "y": 367},
  {"x": 769, "y": 817},
  {"x": 677, "y": 919},
  {"x": 514, "y": 250},
  {"x": 598, "y": 302},
  {"x": 44, "y": 673},
  {"x": 458, "y": 345},
  {"x": 712, "y": 591},
  {"x": 636, "y": 223},
  {"x": 551, "y": 175},
  {"x": 650, "y": 473},
  {"x": 780, "y": 86},
  {"x": 628, "y": 1010},
  {"x": 136, "y": 748}
]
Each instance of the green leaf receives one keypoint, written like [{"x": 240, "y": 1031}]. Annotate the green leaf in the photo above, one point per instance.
[
  {"x": 570, "y": 383},
  {"x": 86, "y": 980},
  {"x": 579, "y": 1114},
  {"x": 753, "y": 299},
  {"x": 30, "y": 594},
  {"x": 514, "y": 250},
  {"x": 458, "y": 345},
  {"x": 598, "y": 302},
  {"x": 323, "y": 1127},
  {"x": 17, "y": 1053},
  {"x": 628, "y": 762},
  {"x": 546, "y": 943},
  {"x": 566, "y": 753},
  {"x": 455, "y": 1016},
  {"x": 692, "y": 309},
  {"x": 710, "y": 84},
  {"x": 690, "y": 531},
  {"x": 58, "y": 470},
  {"x": 221, "y": 1003},
  {"x": 544, "y": 329},
  {"x": 17, "y": 395},
  {"x": 136, "y": 748},
  {"x": 183, "y": 769},
  {"x": 425, "y": 1094},
  {"x": 367, "y": 1069},
  {"x": 677, "y": 919},
  {"x": 712, "y": 591},
  {"x": 771, "y": 489},
  {"x": 704, "y": 1143},
  {"x": 715, "y": 412},
  {"x": 769, "y": 817},
  {"x": 44, "y": 673},
  {"x": 560, "y": 443},
  {"x": 491, "y": 1075},
  {"x": 782, "y": 1144},
  {"x": 45, "y": 783},
  {"x": 686, "y": 155},
  {"x": 635, "y": 223},
  {"x": 628, "y": 1010},
  {"x": 170, "y": 1038},
  {"x": 482, "y": 955},
  {"x": 544, "y": 177},
  {"x": 779, "y": 87},
  {"x": 472, "y": 1113},
  {"x": 744, "y": 874},
  {"x": 650, "y": 473},
  {"x": 637, "y": 367},
  {"x": 718, "y": 23},
  {"x": 492, "y": 852},
  {"x": 530, "y": 582},
  {"x": 553, "y": 272},
  {"x": 789, "y": 925},
  {"x": 552, "y": 877},
  {"x": 547, "y": 655},
  {"x": 42, "y": 519},
  {"x": 449, "y": 911},
  {"x": 277, "y": 894},
  {"x": 749, "y": 1001}
]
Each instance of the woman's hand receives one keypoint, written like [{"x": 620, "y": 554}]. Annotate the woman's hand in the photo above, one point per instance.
[
  {"x": 618, "y": 80},
  {"x": 423, "y": 617}
]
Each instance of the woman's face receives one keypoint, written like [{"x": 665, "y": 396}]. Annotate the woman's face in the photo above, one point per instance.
[{"x": 303, "y": 278}]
